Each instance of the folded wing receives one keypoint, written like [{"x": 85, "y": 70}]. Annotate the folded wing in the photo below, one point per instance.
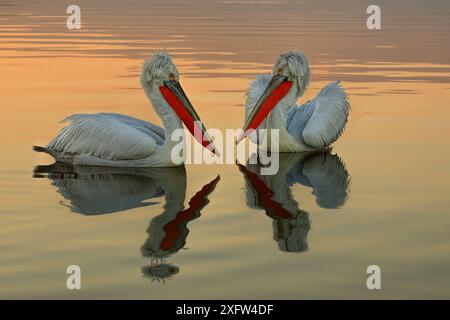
[
  {"x": 321, "y": 121},
  {"x": 108, "y": 136}
]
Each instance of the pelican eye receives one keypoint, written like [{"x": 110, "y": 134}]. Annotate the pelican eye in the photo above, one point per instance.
[
  {"x": 281, "y": 71},
  {"x": 171, "y": 76}
]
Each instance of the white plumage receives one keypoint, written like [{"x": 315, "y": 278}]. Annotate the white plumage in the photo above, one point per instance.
[
  {"x": 314, "y": 125},
  {"x": 116, "y": 140},
  {"x": 108, "y": 136}
]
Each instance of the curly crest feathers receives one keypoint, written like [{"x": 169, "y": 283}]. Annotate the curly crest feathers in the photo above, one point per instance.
[
  {"x": 297, "y": 65},
  {"x": 158, "y": 66}
]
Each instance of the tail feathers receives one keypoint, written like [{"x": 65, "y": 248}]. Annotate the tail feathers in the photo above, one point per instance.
[
  {"x": 52, "y": 153},
  {"x": 39, "y": 149},
  {"x": 42, "y": 149}
]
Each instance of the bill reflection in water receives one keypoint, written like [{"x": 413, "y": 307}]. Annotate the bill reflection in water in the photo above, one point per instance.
[
  {"x": 323, "y": 172},
  {"x": 103, "y": 190},
  {"x": 167, "y": 232}
]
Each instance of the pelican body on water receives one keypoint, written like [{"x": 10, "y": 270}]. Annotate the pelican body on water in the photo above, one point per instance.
[
  {"x": 271, "y": 105},
  {"x": 117, "y": 140}
]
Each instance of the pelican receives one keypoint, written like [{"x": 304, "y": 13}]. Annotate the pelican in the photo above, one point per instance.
[
  {"x": 270, "y": 104},
  {"x": 116, "y": 140},
  {"x": 96, "y": 191},
  {"x": 320, "y": 170}
]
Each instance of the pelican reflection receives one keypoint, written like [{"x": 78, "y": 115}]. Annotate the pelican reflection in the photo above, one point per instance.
[
  {"x": 101, "y": 190},
  {"x": 167, "y": 232},
  {"x": 323, "y": 172}
]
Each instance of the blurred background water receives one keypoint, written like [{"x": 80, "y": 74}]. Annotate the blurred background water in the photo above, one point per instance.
[{"x": 383, "y": 198}]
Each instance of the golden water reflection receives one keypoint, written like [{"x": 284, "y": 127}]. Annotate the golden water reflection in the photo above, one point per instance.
[
  {"x": 395, "y": 146},
  {"x": 101, "y": 190}
]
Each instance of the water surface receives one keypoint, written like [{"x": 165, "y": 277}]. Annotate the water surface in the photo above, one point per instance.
[{"x": 379, "y": 197}]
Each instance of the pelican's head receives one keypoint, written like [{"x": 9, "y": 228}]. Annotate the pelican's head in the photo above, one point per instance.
[
  {"x": 160, "y": 74},
  {"x": 295, "y": 67},
  {"x": 290, "y": 78},
  {"x": 159, "y": 68}
]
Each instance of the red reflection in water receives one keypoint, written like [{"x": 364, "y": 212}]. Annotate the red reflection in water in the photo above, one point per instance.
[
  {"x": 273, "y": 208},
  {"x": 178, "y": 226}
]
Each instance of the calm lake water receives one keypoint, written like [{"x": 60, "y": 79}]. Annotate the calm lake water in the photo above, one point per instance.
[{"x": 380, "y": 197}]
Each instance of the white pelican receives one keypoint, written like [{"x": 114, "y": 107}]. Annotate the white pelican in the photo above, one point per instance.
[
  {"x": 320, "y": 170},
  {"x": 271, "y": 105},
  {"x": 116, "y": 140}
]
